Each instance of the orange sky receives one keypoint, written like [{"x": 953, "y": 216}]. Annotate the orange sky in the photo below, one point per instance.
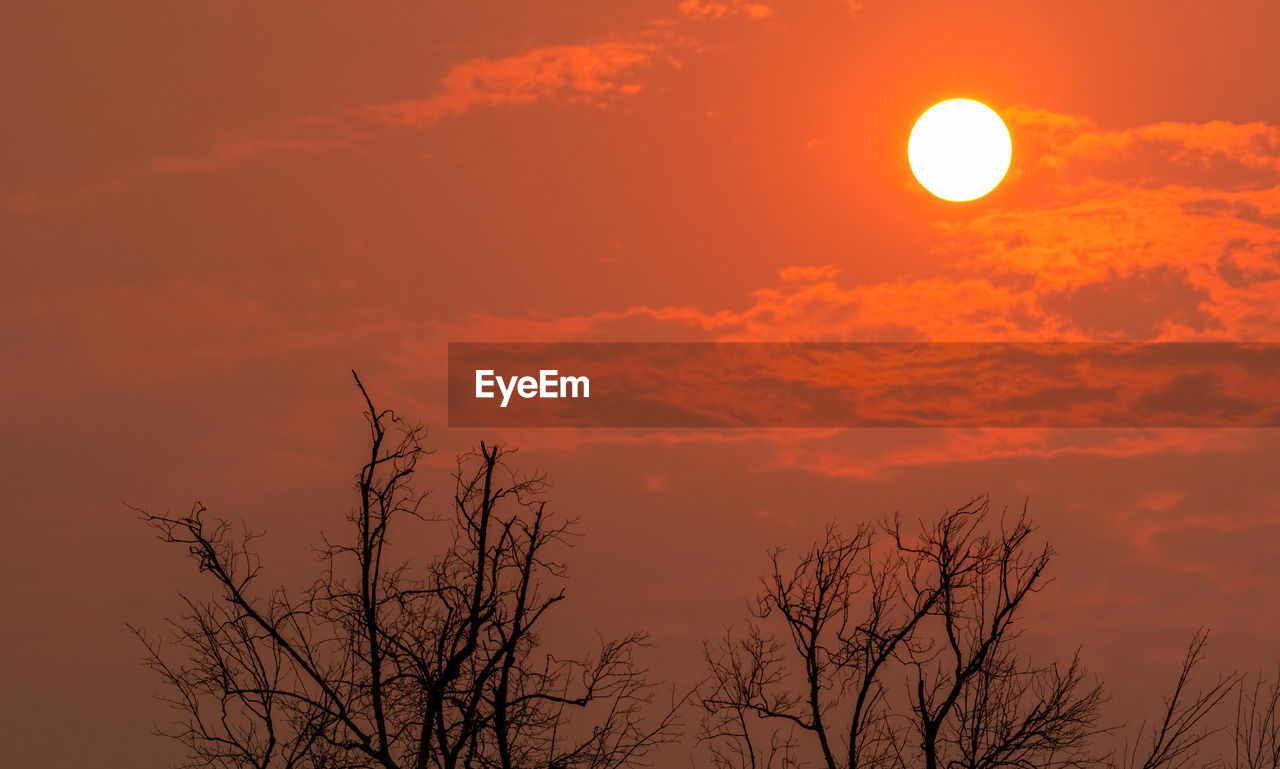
[{"x": 211, "y": 212}]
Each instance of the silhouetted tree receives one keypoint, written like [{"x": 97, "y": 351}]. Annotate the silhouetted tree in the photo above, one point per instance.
[
  {"x": 1256, "y": 743},
  {"x": 432, "y": 661},
  {"x": 1174, "y": 742},
  {"x": 898, "y": 649}
]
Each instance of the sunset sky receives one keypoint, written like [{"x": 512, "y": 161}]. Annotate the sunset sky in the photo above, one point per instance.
[{"x": 210, "y": 213}]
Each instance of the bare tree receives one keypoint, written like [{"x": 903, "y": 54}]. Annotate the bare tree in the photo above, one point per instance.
[
  {"x": 434, "y": 661},
  {"x": 977, "y": 702},
  {"x": 1174, "y": 742},
  {"x": 1256, "y": 743},
  {"x": 899, "y": 650},
  {"x": 742, "y": 670}
]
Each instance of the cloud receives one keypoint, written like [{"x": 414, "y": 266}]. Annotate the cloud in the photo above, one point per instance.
[
  {"x": 838, "y": 456},
  {"x": 711, "y": 9},
  {"x": 806, "y": 305},
  {"x": 1170, "y": 231},
  {"x": 1157, "y": 151},
  {"x": 139, "y": 336},
  {"x": 238, "y": 149},
  {"x": 1167, "y": 231},
  {"x": 34, "y": 201},
  {"x": 307, "y": 136},
  {"x": 1162, "y": 232},
  {"x": 591, "y": 74}
]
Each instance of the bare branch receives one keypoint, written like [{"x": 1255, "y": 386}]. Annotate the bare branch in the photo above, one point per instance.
[{"x": 401, "y": 662}]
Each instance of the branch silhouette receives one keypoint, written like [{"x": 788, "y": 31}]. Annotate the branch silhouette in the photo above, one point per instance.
[
  {"x": 903, "y": 647},
  {"x": 894, "y": 645},
  {"x": 433, "y": 660}
]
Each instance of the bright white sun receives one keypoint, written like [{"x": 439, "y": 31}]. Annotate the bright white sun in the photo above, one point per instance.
[{"x": 959, "y": 149}]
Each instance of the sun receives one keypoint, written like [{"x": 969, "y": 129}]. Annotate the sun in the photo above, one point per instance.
[{"x": 959, "y": 149}]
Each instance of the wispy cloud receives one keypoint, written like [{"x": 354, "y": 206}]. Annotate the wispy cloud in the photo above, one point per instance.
[
  {"x": 718, "y": 9},
  {"x": 594, "y": 73},
  {"x": 306, "y": 141},
  {"x": 1177, "y": 223},
  {"x": 590, "y": 74},
  {"x": 307, "y": 136}
]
